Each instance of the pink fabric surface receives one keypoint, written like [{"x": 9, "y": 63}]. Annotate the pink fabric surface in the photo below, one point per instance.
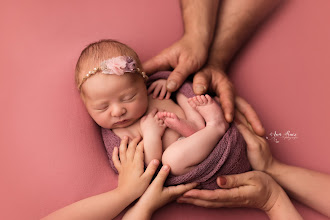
[
  {"x": 228, "y": 156},
  {"x": 52, "y": 153}
]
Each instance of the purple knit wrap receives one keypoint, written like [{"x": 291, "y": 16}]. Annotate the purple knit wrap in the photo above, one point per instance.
[{"x": 228, "y": 156}]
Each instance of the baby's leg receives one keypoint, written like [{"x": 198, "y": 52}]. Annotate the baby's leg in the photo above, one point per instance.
[
  {"x": 184, "y": 154},
  {"x": 192, "y": 116},
  {"x": 182, "y": 126}
]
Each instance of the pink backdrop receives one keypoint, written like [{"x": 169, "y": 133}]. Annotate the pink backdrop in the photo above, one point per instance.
[{"x": 51, "y": 151}]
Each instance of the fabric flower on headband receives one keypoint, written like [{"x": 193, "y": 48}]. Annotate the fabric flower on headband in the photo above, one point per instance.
[{"x": 118, "y": 65}]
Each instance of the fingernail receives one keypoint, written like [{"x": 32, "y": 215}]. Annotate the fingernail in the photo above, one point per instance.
[
  {"x": 166, "y": 167},
  {"x": 199, "y": 89},
  {"x": 223, "y": 180},
  {"x": 229, "y": 118},
  {"x": 156, "y": 162},
  {"x": 171, "y": 85}
]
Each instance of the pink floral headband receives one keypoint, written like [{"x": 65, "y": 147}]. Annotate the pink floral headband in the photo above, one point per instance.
[{"x": 116, "y": 65}]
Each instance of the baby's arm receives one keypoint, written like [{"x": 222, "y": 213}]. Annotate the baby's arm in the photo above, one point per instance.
[
  {"x": 152, "y": 131},
  {"x": 132, "y": 182},
  {"x": 158, "y": 89}
]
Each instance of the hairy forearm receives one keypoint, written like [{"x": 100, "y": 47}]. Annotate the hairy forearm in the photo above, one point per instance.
[
  {"x": 236, "y": 22},
  {"x": 283, "y": 209},
  {"x": 199, "y": 19},
  {"x": 309, "y": 187},
  {"x": 103, "y": 206}
]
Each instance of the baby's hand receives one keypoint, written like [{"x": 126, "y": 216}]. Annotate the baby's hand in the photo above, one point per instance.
[
  {"x": 152, "y": 125},
  {"x": 132, "y": 180},
  {"x": 158, "y": 88}
]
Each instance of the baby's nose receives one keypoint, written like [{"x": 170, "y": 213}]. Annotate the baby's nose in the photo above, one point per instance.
[{"x": 118, "y": 111}]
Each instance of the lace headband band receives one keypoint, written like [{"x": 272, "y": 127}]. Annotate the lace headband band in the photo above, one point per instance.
[{"x": 117, "y": 66}]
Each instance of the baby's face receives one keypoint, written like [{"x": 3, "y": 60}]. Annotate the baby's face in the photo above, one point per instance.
[{"x": 115, "y": 101}]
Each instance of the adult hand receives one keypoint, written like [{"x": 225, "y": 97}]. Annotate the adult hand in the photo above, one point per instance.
[
  {"x": 185, "y": 56},
  {"x": 213, "y": 78},
  {"x": 258, "y": 150},
  {"x": 253, "y": 189},
  {"x": 157, "y": 196}
]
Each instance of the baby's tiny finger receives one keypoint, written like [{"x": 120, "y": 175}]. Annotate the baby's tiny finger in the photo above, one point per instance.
[
  {"x": 162, "y": 93},
  {"x": 151, "y": 88},
  {"x": 168, "y": 95}
]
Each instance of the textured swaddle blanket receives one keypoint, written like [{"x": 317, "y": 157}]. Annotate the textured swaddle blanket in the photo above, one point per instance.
[{"x": 228, "y": 156}]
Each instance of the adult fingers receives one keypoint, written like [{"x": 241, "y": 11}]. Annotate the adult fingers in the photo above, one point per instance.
[
  {"x": 234, "y": 181},
  {"x": 251, "y": 116},
  {"x": 248, "y": 135},
  {"x": 201, "y": 82},
  {"x": 156, "y": 63},
  {"x": 211, "y": 204},
  {"x": 240, "y": 119},
  {"x": 123, "y": 149},
  {"x": 227, "y": 99},
  {"x": 178, "y": 76},
  {"x": 115, "y": 159}
]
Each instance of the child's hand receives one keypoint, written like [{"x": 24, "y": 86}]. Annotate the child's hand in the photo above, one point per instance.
[
  {"x": 157, "y": 196},
  {"x": 152, "y": 125},
  {"x": 132, "y": 180},
  {"x": 158, "y": 88}
]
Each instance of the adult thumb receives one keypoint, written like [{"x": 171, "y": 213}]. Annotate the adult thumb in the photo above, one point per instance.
[
  {"x": 233, "y": 181},
  {"x": 157, "y": 63},
  {"x": 177, "y": 77},
  {"x": 201, "y": 82}
]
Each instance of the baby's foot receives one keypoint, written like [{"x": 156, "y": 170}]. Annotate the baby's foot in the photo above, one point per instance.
[
  {"x": 172, "y": 121},
  {"x": 209, "y": 110}
]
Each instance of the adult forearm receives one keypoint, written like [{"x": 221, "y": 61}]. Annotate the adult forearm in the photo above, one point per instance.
[
  {"x": 199, "y": 18},
  {"x": 236, "y": 22},
  {"x": 283, "y": 209},
  {"x": 309, "y": 187}
]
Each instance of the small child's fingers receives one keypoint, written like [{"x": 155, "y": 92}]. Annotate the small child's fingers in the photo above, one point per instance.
[
  {"x": 139, "y": 155},
  {"x": 151, "y": 169},
  {"x": 122, "y": 149},
  {"x": 176, "y": 191},
  {"x": 131, "y": 148},
  {"x": 162, "y": 175},
  {"x": 115, "y": 159}
]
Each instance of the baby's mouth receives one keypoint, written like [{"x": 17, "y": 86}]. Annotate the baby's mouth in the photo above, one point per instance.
[{"x": 121, "y": 122}]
